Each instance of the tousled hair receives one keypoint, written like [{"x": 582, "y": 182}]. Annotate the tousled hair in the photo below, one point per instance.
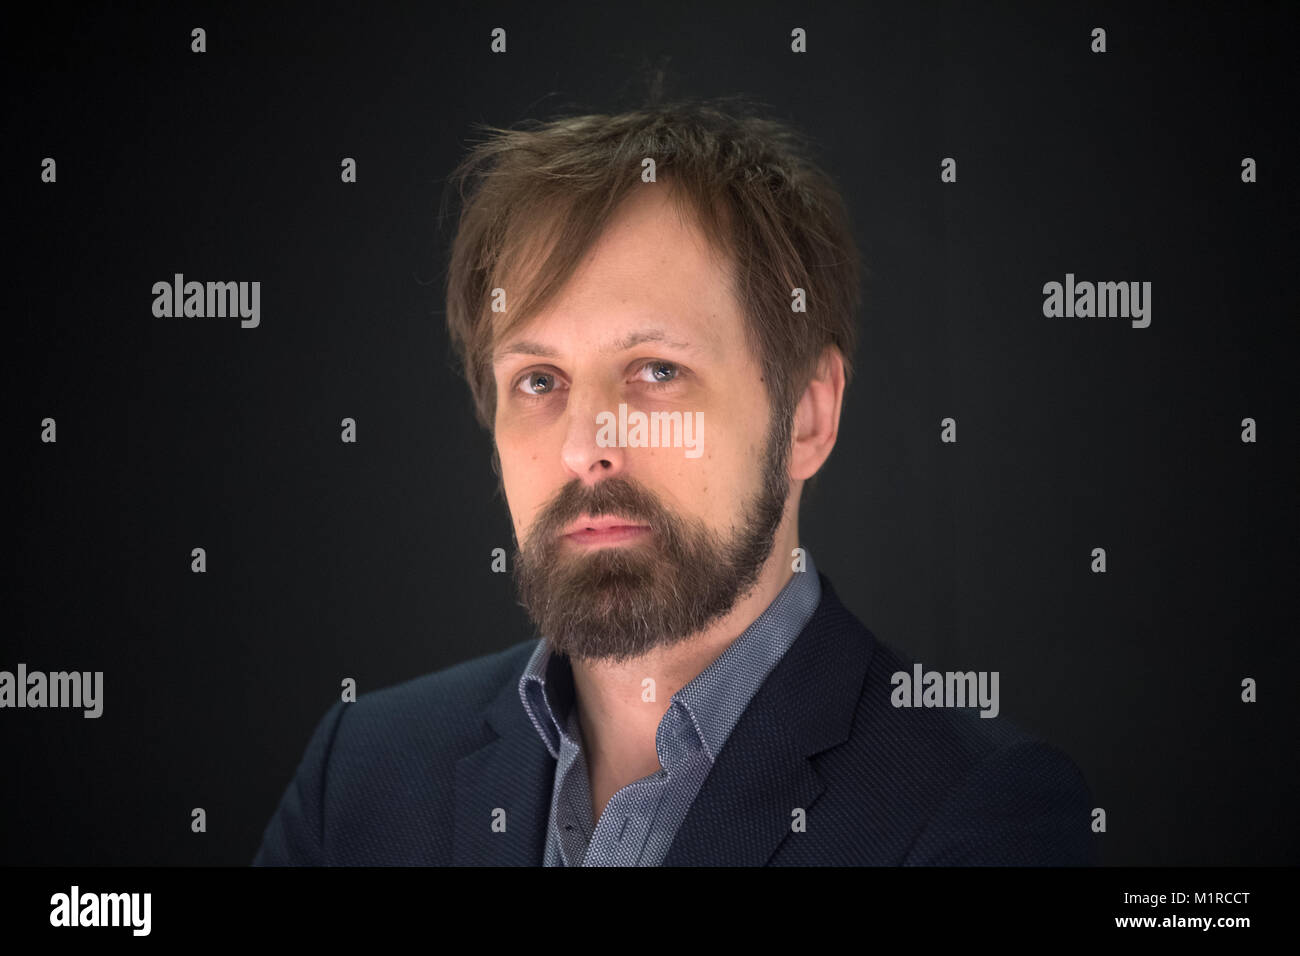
[{"x": 535, "y": 199}]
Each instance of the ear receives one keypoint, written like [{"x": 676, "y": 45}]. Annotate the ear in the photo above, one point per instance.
[{"x": 817, "y": 416}]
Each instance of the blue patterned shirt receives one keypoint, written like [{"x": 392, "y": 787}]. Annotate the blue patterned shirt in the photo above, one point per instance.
[{"x": 638, "y": 824}]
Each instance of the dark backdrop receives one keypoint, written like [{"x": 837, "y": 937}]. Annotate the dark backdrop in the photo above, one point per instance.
[{"x": 372, "y": 560}]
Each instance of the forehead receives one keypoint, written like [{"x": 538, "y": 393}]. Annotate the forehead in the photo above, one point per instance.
[{"x": 652, "y": 275}]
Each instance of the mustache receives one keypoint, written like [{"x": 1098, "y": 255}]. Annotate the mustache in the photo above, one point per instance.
[{"x": 613, "y": 497}]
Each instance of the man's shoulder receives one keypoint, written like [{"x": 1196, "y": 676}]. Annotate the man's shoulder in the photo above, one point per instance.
[
  {"x": 892, "y": 714},
  {"x": 942, "y": 784},
  {"x": 435, "y": 711},
  {"x": 934, "y": 737},
  {"x": 377, "y": 782}
]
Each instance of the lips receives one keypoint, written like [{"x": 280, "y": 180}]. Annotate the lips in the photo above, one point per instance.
[{"x": 607, "y": 529}]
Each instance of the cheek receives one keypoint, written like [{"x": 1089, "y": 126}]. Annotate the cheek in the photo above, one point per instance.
[
  {"x": 530, "y": 477},
  {"x": 515, "y": 479},
  {"x": 703, "y": 487},
  {"x": 733, "y": 462}
]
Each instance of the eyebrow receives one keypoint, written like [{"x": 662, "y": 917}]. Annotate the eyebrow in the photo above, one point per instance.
[{"x": 631, "y": 340}]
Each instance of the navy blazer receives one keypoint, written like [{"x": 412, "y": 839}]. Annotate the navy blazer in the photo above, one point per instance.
[{"x": 416, "y": 774}]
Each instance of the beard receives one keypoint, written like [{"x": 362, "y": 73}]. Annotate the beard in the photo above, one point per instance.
[{"x": 617, "y": 602}]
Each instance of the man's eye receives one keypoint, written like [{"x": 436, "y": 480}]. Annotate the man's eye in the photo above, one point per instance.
[
  {"x": 536, "y": 383},
  {"x": 661, "y": 373}
]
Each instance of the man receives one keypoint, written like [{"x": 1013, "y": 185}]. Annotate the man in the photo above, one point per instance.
[{"x": 699, "y": 695}]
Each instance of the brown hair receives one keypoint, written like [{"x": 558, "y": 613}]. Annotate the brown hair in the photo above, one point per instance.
[{"x": 776, "y": 219}]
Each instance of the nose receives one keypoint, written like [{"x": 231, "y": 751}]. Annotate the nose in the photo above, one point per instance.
[{"x": 592, "y": 416}]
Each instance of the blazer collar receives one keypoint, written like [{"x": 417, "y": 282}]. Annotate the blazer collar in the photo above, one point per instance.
[{"x": 742, "y": 811}]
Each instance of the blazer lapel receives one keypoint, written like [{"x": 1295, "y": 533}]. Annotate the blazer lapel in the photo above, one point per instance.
[
  {"x": 744, "y": 808},
  {"x": 508, "y": 779}
]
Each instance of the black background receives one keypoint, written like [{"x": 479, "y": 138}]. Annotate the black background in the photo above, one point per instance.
[{"x": 372, "y": 561}]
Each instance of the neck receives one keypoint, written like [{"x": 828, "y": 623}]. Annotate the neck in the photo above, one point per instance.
[{"x": 618, "y": 725}]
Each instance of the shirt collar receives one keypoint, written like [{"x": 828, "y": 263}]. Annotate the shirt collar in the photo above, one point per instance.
[
  {"x": 716, "y": 697},
  {"x": 546, "y": 688},
  {"x": 719, "y": 694}
]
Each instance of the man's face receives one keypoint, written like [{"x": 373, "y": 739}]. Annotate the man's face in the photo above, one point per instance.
[{"x": 647, "y": 321}]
